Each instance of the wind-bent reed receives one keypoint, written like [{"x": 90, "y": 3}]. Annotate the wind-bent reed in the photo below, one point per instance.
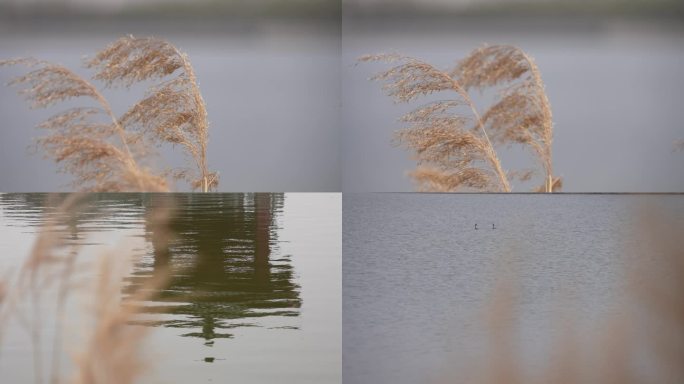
[
  {"x": 173, "y": 110},
  {"x": 112, "y": 156},
  {"x": 455, "y": 150}
]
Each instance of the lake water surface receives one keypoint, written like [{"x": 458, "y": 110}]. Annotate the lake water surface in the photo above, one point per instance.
[
  {"x": 419, "y": 279},
  {"x": 254, "y": 294}
]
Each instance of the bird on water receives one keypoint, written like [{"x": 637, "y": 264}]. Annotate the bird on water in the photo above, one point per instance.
[
  {"x": 476, "y": 226},
  {"x": 493, "y": 227}
]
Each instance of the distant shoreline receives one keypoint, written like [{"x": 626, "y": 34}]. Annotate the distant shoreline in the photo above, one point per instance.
[{"x": 65, "y": 25}]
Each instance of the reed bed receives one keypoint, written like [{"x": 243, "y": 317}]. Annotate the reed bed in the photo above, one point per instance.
[
  {"x": 454, "y": 144},
  {"x": 106, "y": 152}
]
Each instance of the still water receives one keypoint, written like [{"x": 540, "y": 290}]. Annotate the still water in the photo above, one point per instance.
[
  {"x": 254, "y": 294},
  {"x": 419, "y": 280}
]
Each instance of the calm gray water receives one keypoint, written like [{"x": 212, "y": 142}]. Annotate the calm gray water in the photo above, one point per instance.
[
  {"x": 254, "y": 294},
  {"x": 419, "y": 279}
]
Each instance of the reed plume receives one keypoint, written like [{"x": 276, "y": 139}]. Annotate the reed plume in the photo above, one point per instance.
[
  {"x": 456, "y": 150},
  {"x": 112, "y": 154},
  {"x": 102, "y": 156},
  {"x": 173, "y": 111}
]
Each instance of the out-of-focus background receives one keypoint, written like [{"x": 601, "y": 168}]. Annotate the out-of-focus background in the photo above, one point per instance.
[
  {"x": 269, "y": 72},
  {"x": 613, "y": 69}
]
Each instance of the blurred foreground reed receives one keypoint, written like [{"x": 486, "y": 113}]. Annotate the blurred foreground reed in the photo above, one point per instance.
[
  {"x": 639, "y": 340},
  {"x": 109, "y": 349}
]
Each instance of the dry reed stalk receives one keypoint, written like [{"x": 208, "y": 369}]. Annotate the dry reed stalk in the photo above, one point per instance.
[
  {"x": 456, "y": 151},
  {"x": 113, "y": 351},
  {"x": 109, "y": 156}
]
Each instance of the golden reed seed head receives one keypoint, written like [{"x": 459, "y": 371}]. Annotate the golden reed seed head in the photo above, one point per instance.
[
  {"x": 108, "y": 153},
  {"x": 456, "y": 151}
]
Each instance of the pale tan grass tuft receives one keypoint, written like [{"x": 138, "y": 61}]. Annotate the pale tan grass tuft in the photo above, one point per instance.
[
  {"x": 522, "y": 113},
  {"x": 436, "y": 180},
  {"x": 462, "y": 147},
  {"x": 173, "y": 111},
  {"x": 112, "y": 155},
  {"x": 101, "y": 156},
  {"x": 555, "y": 186},
  {"x": 412, "y": 78}
]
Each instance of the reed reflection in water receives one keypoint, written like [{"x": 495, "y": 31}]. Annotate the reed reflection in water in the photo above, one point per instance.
[{"x": 218, "y": 255}]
